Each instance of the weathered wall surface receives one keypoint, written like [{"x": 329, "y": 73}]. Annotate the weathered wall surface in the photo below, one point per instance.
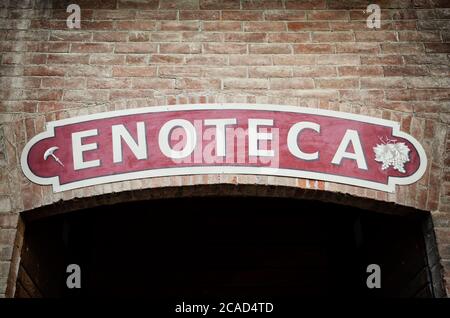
[{"x": 135, "y": 53}]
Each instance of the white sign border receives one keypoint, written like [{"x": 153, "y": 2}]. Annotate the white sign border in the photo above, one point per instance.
[{"x": 390, "y": 187}]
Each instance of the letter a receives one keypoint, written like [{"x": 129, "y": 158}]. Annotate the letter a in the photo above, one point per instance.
[
  {"x": 73, "y": 20},
  {"x": 74, "y": 279},
  {"x": 374, "y": 279}
]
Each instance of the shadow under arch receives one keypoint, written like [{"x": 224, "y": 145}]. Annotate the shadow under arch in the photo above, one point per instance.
[{"x": 432, "y": 271}]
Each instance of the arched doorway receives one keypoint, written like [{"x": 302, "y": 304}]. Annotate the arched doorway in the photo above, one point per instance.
[{"x": 227, "y": 246}]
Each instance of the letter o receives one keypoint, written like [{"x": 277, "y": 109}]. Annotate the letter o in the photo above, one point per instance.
[{"x": 191, "y": 138}]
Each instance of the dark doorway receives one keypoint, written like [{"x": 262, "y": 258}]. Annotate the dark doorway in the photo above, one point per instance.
[{"x": 225, "y": 246}]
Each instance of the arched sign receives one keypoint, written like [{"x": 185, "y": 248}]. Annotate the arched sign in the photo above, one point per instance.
[{"x": 223, "y": 139}]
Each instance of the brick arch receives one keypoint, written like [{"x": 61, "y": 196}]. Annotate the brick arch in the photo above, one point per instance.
[{"x": 219, "y": 189}]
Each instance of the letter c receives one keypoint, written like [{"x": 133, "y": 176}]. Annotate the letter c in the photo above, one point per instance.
[{"x": 292, "y": 140}]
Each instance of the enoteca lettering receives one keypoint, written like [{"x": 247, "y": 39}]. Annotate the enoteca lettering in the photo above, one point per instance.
[{"x": 224, "y": 138}]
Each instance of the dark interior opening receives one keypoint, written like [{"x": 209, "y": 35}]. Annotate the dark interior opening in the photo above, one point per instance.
[{"x": 225, "y": 247}]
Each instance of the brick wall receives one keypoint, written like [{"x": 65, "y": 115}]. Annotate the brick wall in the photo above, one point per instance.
[{"x": 135, "y": 53}]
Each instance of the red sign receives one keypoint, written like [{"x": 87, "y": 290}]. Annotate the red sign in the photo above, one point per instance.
[{"x": 223, "y": 139}]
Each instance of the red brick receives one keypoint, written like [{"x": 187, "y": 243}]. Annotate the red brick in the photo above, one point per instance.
[
  {"x": 261, "y": 4},
  {"x": 387, "y": 83},
  {"x": 328, "y": 15},
  {"x": 20, "y": 82},
  {"x": 57, "y": 47},
  {"x": 294, "y": 60},
  {"x": 195, "y": 83},
  {"x": 157, "y": 15},
  {"x": 269, "y": 48},
  {"x": 269, "y": 71},
  {"x": 360, "y": 71},
  {"x": 136, "y": 47},
  {"x": 180, "y": 48},
  {"x": 138, "y": 36},
  {"x": 313, "y": 48},
  {"x": 107, "y": 59},
  {"x": 43, "y": 94},
  {"x": 110, "y": 36},
  {"x": 428, "y": 82},
  {"x": 382, "y": 60},
  {"x": 264, "y": 26},
  {"x": 306, "y": 4},
  {"x": 437, "y": 47},
  {"x": 314, "y": 71},
  {"x": 288, "y": 37},
  {"x": 202, "y": 37},
  {"x": 79, "y": 36},
  {"x": 113, "y": 14},
  {"x": 245, "y": 83},
  {"x": 7, "y": 236},
  {"x": 377, "y": 36},
  {"x": 178, "y": 4},
  {"x": 27, "y": 35},
  {"x": 439, "y": 70},
  {"x": 44, "y": 71},
  {"x": 361, "y": 95},
  {"x": 137, "y": 4},
  {"x": 206, "y": 60},
  {"x": 294, "y": 83},
  {"x": 364, "y": 48},
  {"x": 225, "y": 48},
  {"x": 177, "y": 71},
  {"x": 125, "y": 71},
  {"x": 60, "y": 82},
  {"x": 200, "y": 15},
  {"x": 220, "y": 4},
  {"x": 304, "y": 26},
  {"x": 106, "y": 83},
  {"x": 337, "y": 83},
  {"x": 338, "y": 59},
  {"x": 141, "y": 25},
  {"x": 242, "y": 15},
  {"x": 405, "y": 70},
  {"x": 23, "y": 58},
  {"x": 348, "y": 26},
  {"x": 405, "y": 107},
  {"x": 404, "y": 25},
  {"x": 87, "y": 70},
  {"x": 179, "y": 26},
  {"x": 130, "y": 94},
  {"x": 426, "y": 59},
  {"x": 166, "y": 59},
  {"x": 98, "y": 25},
  {"x": 153, "y": 83},
  {"x": 165, "y": 37},
  {"x": 402, "y": 48},
  {"x": 137, "y": 59},
  {"x": 332, "y": 36},
  {"x": 86, "y": 95},
  {"x": 219, "y": 72},
  {"x": 91, "y": 48},
  {"x": 418, "y": 36},
  {"x": 250, "y": 60},
  {"x": 282, "y": 15},
  {"x": 222, "y": 26},
  {"x": 245, "y": 37},
  {"x": 51, "y": 106},
  {"x": 68, "y": 59}
]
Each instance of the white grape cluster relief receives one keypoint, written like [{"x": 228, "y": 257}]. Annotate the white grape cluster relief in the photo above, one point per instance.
[{"x": 392, "y": 153}]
